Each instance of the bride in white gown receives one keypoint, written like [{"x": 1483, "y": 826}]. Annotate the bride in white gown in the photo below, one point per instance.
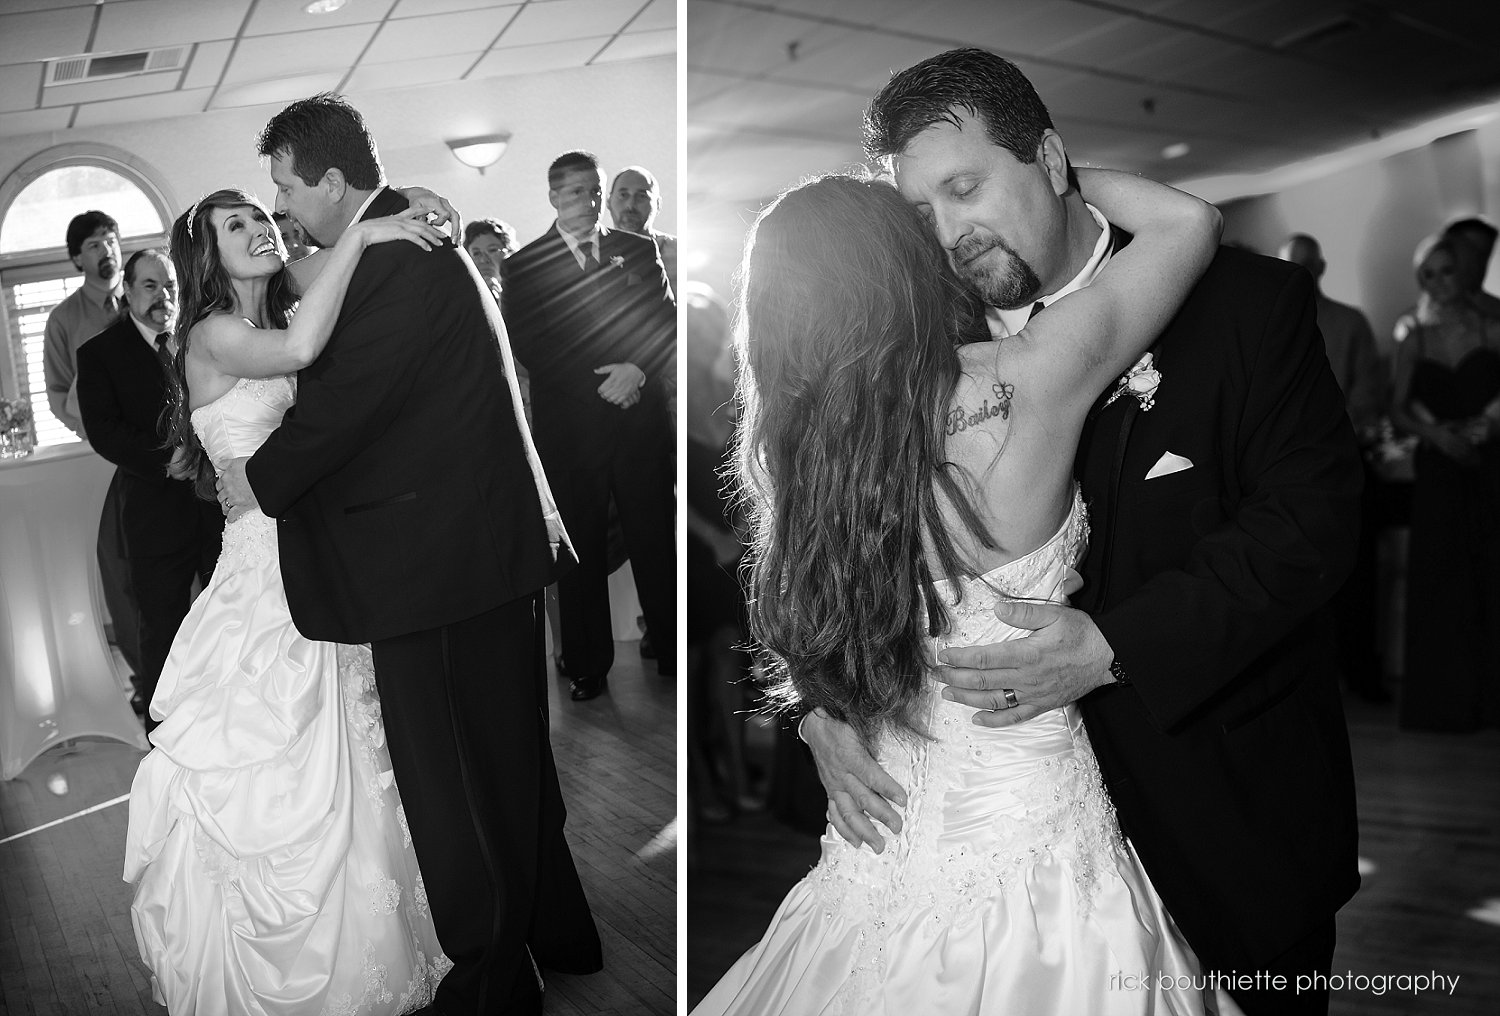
[
  {"x": 273, "y": 870},
  {"x": 900, "y": 481}
]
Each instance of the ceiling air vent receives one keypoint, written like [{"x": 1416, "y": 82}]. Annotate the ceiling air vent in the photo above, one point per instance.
[{"x": 70, "y": 70}]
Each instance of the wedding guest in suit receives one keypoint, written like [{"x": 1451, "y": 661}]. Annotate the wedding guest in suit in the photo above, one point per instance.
[
  {"x": 169, "y": 535},
  {"x": 634, "y": 201},
  {"x": 1222, "y": 479},
  {"x": 1448, "y": 395},
  {"x": 93, "y": 240},
  {"x": 592, "y": 317},
  {"x": 1355, "y": 360}
]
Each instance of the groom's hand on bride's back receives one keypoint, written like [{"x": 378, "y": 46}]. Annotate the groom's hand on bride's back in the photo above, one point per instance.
[
  {"x": 1063, "y": 659},
  {"x": 860, "y": 793}
]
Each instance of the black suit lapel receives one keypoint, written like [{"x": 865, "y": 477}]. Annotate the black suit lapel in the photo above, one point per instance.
[{"x": 1120, "y": 413}]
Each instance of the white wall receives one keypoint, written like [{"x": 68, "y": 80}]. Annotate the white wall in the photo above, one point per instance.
[{"x": 624, "y": 112}]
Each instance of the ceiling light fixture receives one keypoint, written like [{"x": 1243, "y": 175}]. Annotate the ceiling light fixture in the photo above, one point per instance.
[
  {"x": 1176, "y": 151},
  {"x": 480, "y": 152},
  {"x": 324, "y": 6}
]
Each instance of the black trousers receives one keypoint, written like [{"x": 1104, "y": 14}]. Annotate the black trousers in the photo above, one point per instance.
[
  {"x": 641, "y": 483},
  {"x": 114, "y": 577},
  {"x": 163, "y": 587},
  {"x": 463, "y": 709},
  {"x": 1309, "y": 960}
]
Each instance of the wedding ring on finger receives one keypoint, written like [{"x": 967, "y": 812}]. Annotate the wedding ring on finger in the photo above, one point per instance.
[{"x": 1010, "y": 698}]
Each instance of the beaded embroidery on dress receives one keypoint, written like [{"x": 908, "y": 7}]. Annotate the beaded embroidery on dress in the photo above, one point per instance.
[
  {"x": 1009, "y": 888},
  {"x": 274, "y": 871}
]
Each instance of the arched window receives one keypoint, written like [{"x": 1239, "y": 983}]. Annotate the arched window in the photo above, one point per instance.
[{"x": 36, "y": 203}]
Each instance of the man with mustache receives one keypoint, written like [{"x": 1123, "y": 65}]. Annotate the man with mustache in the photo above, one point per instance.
[{"x": 168, "y": 534}]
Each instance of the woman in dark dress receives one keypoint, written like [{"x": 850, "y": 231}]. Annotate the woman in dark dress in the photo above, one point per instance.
[{"x": 1448, "y": 395}]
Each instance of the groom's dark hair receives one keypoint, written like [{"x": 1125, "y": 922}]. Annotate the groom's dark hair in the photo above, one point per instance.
[
  {"x": 323, "y": 132},
  {"x": 976, "y": 81}
]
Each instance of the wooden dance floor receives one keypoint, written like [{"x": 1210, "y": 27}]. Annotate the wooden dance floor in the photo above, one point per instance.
[
  {"x": 1429, "y": 844},
  {"x": 66, "y": 944}
]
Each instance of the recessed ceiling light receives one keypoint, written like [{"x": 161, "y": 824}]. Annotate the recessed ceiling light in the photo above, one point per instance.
[
  {"x": 324, "y": 6},
  {"x": 1176, "y": 151}
]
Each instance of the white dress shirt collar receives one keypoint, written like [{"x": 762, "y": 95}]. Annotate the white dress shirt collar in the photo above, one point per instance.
[
  {"x": 1009, "y": 322},
  {"x": 573, "y": 242},
  {"x": 360, "y": 214},
  {"x": 149, "y": 333}
]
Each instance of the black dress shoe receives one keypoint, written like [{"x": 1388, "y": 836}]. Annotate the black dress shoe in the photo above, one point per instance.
[{"x": 581, "y": 689}]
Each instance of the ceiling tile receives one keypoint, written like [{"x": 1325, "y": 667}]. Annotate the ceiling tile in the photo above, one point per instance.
[
  {"x": 411, "y": 38},
  {"x": 267, "y": 57},
  {"x": 529, "y": 59},
  {"x": 114, "y": 88},
  {"x": 148, "y": 24},
  {"x": 44, "y": 34},
  {"x": 421, "y": 8},
  {"x": 861, "y": 61},
  {"x": 637, "y": 45},
  {"x": 974, "y": 22},
  {"x": 658, "y": 14},
  {"x": 773, "y": 108},
  {"x": 558, "y": 20},
  {"x": 18, "y": 86},
  {"x": 406, "y": 73},
  {"x": 273, "y": 16},
  {"x": 208, "y": 64},
  {"x": 18, "y": 6},
  {"x": 254, "y": 93},
  {"x": 732, "y": 39},
  {"x": 34, "y": 121},
  {"x": 143, "y": 107},
  {"x": 868, "y": 12}
]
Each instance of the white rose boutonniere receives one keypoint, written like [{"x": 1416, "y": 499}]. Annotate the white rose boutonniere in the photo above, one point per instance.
[
  {"x": 1142, "y": 380},
  {"x": 617, "y": 262}
]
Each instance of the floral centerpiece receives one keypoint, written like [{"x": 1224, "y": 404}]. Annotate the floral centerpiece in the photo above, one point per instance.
[{"x": 17, "y": 429}]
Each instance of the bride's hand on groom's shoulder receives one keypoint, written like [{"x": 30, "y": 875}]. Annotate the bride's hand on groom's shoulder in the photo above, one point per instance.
[
  {"x": 1064, "y": 658},
  {"x": 410, "y": 225},
  {"x": 860, "y": 793},
  {"x": 431, "y": 203}
]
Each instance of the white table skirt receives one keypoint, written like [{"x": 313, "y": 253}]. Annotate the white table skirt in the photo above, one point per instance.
[{"x": 57, "y": 676}]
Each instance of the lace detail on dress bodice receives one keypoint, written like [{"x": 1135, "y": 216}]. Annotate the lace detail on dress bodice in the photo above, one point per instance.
[
  {"x": 984, "y": 805},
  {"x": 234, "y": 426}
]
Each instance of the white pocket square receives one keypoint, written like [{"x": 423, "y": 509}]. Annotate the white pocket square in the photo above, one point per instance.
[{"x": 1169, "y": 463}]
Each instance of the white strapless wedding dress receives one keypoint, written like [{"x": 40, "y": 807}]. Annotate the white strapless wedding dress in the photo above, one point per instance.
[
  {"x": 274, "y": 872},
  {"x": 1009, "y": 890}
]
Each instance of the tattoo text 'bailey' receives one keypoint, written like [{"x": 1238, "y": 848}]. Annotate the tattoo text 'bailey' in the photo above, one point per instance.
[{"x": 960, "y": 418}]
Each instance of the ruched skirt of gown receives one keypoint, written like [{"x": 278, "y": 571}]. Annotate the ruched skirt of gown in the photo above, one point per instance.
[{"x": 274, "y": 872}]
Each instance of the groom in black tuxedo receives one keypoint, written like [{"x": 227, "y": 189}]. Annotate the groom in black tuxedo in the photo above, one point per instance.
[
  {"x": 1224, "y": 517},
  {"x": 170, "y": 536},
  {"x": 594, "y": 320},
  {"x": 413, "y": 514}
]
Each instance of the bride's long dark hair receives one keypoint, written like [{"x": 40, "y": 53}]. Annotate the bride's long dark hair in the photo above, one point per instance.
[
  {"x": 206, "y": 288},
  {"x": 850, "y": 319}
]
